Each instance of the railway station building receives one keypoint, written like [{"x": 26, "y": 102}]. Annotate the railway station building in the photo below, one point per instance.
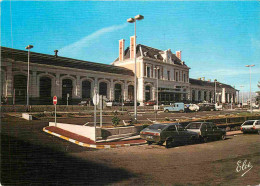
[{"x": 157, "y": 70}]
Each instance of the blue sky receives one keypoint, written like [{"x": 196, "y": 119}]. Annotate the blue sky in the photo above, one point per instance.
[{"x": 217, "y": 39}]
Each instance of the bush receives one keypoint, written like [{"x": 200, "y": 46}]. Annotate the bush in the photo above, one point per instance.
[
  {"x": 115, "y": 121},
  {"x": 167, "y": 119}
]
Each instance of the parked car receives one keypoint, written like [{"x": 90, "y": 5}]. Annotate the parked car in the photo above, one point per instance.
[
  {"x": 170, "y": 133},
  {"x": 85, "y": 102},
  {"x": 251, "y": 126},
  {"x": 206, "y": 106},
  {"x": 129, "y": 103},
  {"x": 176, "y": 107},
  {"x": 206, "y": 130},
  {"x": 218, "y": 107},
  {"x": 194, "y": 107},
  {"x": 150, "y": 103}
]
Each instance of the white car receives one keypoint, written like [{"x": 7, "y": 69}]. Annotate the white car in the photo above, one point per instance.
[
  {"x": 194, "y": 107},
  {"x": 251, "y": 126}
]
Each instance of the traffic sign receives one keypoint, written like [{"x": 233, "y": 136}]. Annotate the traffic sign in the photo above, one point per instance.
[
  {"x": 55, "y": 100},
  {"x": 96, "y": 99}
]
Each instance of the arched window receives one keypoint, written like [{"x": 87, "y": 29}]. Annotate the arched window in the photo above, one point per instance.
[
  {"x": 86, "y": 89},
  {"x": 20, "y": 87},
  {"x": 147, "y": 93},
  {"x": 103, "y": 88},
  {"x": 118, "y": 92},
  {"x": 45, "y": 87},
  {"x": 199, "y": 95},
  {"x": 67, "y": 88},
  {"x": 131, "y": 92}
]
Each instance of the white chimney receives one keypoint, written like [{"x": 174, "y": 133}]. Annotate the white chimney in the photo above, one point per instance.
[
  {"x": 178, "y": 54},
  {"x": 121, "y": 49},
  {"x": 132, "y": 47}
]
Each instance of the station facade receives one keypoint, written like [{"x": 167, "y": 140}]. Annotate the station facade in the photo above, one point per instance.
[{"x": 158, "y": 71}]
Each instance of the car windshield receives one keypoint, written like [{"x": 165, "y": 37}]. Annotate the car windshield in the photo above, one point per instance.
[
  {"x": 249, "y": 123},
  {"x": 194, "y": 126},
  {"x": 157, "y": 127}
]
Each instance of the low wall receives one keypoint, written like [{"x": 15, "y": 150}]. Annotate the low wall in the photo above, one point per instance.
[
  {"x": 123, "y": 130},
  {"x": 79, "y": 129},
  {"x": 26, "y": 116},
  {"x": 103, "y": 133}
]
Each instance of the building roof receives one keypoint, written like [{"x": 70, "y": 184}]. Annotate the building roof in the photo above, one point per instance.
[
  {"x": 149, "y": 52},
  {"x": 38, "y": 58},
  {"x": 209, "y": 83}
]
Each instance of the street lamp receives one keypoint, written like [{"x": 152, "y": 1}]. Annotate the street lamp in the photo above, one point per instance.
[
  {"x": 250, "y": 86},
  {"x": 28, "y": 76},
  {"x": 157, "y": 92},
  {"x": 242, "y": 94},
  {"x": 133, "y": 20},
  {"x": 215, "y": 81}
]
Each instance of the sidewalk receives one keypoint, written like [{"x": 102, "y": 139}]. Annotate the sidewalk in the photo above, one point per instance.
[
  {"x": 86, "y": 142},
  {"x": 231, "y": 133}
]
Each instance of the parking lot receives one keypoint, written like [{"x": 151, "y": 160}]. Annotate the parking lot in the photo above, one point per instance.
[{"x": 30, "y": 156}]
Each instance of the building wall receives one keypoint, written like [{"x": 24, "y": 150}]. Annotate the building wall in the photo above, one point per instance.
[{"x": 10, "y": 69}]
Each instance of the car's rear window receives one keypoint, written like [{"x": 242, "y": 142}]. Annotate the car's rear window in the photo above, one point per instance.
[
  {"x": 194, "y": 126},
  {"x": 249, "y": 123},
  {"x": 157, "y": 127}
]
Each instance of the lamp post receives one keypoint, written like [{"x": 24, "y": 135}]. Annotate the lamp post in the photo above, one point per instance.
[
  {"x": 133, "y": 20},
  {"x": 250, "y": 86},
  {"x": 242, "y": 101},
  {"x": 157, "y": 92},
  {"x": 28, "y": 76},
  {"x": 215, "y": 81}
]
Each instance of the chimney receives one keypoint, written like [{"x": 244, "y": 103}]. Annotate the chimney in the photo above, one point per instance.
[
  {"x": 56, "y": 53},
  {"x": 132, "y": 47},
  {"x": 121, "y": 49},
  {"x": 178, "y": 54}
]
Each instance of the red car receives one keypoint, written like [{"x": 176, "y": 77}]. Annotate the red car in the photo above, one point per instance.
[{"x": 150, "y": 103}]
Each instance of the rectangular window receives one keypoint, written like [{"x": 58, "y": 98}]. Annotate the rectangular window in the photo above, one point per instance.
[
  {"x": 184, "y": 77},
  {"x": 148, "y": 72},
  {"x": 176, "y": 78},
  {"x": 159, "y": 74},
  {"x": 168, "y": 75}
]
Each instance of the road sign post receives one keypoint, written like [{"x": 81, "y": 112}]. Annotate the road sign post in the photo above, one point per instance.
[
  {"x": 55, "y": 100},
  {"x": 101, "y": 107},
  {"x": 95, "y": 102}
]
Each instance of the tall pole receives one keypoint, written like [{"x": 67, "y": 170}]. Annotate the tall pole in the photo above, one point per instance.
[
  {"x": 133, "y": 20},
  {"x": 215, "y": 90},
  {"x": 135, "y": 88},
  {"x": 250, "y": 90},
  {"x": 28, "y": 79},
  {"x": 157, "y": 101},
  {"x": 28, "y": 75},
  {"x": 250, "y": 86},
  {"x": 242, "y": 101}
]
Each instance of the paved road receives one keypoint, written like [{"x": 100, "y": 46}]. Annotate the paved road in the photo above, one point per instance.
[{"x": 30, "y": 156}]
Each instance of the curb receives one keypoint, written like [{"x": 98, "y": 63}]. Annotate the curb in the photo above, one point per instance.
[{"x": 90, "y": 145}]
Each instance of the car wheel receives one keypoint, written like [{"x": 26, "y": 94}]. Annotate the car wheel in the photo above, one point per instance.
[
  {"x": 223, "y": 137},
  {"x": 166, "y": 110},
  {"x": 258, "y": 132},
  {"x": 181, "y": 111},
  {"x": 149, "y": 142},
  {"x": 205, "y": 139},
  {"x": 244, "y": 132},
  {"x": 169, "y": 143}
]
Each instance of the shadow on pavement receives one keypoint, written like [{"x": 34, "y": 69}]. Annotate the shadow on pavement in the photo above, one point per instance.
[{"x": 23, "y": 163}]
